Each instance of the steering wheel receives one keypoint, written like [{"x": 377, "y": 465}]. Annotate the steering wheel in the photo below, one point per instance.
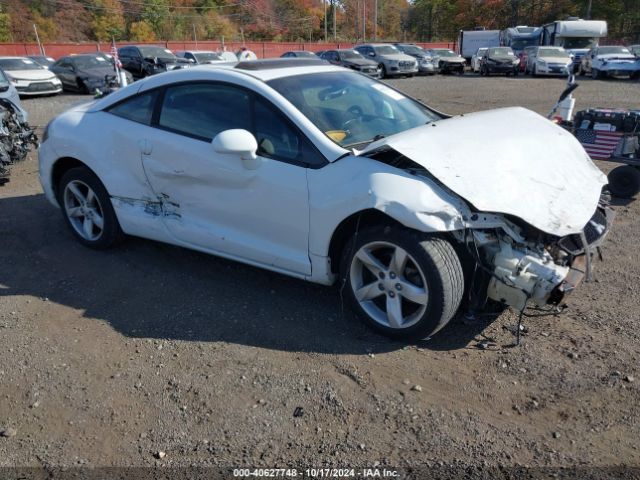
[{"x": 357, "y": 113}]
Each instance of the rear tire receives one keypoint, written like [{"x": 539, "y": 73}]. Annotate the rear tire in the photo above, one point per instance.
[
  {"x": 624, "y": 181},
  {"x": 87, "y": 210},
  {"x": 402, "y": 283}
]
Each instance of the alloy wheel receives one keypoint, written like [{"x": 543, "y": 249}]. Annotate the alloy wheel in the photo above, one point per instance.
[
  {"x": 389, "y": 285},
  {"x": 83, "y": 209}
]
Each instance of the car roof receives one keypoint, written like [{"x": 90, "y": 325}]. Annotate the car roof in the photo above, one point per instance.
[
  {"x": 10, "y": 57},
  {"x": 197, "y": 51}
]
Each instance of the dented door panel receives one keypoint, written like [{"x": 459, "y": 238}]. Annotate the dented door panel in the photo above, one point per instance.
[{"x": 211, "y": 201}]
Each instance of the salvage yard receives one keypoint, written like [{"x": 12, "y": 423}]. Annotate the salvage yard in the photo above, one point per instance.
[{"x": 150, "y": 354}]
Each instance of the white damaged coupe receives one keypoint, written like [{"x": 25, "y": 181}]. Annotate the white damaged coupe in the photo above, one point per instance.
[{"x": 328, "y": 175}]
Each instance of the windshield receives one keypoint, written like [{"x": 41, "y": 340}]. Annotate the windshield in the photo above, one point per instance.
[
  {"x": 412, "y": 50},
  {"x": 502, "y": 51},
  {"x": 444, "y": 53},
  {"x": 610, "y": 50},
  {"x": 19, "y": 64},
  {"x": 553, "y": 52},
  {"x": 3, "y": 80},
  {"x": 578, "y": 42},
  {"x": 350, "y": 54},
  {"x": 207, "y": 57},
  {"x": 481, "y": 52},
  {"x": 352, "y": 109},
  {"x": 150, "y": 52},
  {"x": 521, "y": 43},
  {"x": 386, "y": 50},
  {"x": 89, "y": 62}
]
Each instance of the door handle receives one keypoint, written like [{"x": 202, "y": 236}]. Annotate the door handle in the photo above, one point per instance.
[{"x": 146, "y": 147}]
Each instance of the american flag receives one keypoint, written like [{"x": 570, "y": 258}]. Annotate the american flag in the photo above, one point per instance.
[
  {"x": 599, "y": 144},
  {"x": 114, "y": 54}
]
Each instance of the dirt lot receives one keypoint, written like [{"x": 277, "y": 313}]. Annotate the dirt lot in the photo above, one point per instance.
[{"x": 107, "y": 359}]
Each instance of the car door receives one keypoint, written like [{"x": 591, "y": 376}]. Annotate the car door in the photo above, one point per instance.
[
  {"x": 63, "y": 70},
  {"x": 212, "y": 201}
]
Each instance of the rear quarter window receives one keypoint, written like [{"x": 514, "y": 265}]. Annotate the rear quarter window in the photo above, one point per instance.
[{"x": 138, "y": 108}]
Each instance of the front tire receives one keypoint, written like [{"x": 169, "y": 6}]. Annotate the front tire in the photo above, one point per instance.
[
  {"x": 624, "y": 181},
  {"x": 402, "y": 283},
  {"x": 87, "y": 210}
]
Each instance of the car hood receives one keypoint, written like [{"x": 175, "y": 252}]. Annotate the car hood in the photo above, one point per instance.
[
  {"x": 95, "y": 73},
  {"x": 503, "y": 58},
  {"x": 398, "y": 56},
  {"x": 555, "y": 59},
  {"x": 510, "y": 161},
  {"x": 32, "y": 74},
  {"x": 450, "y": 59},
  {"x": 618, "y": 56}
]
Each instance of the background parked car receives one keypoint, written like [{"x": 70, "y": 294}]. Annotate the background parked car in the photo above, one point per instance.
[
  {"x": 299, "y": 54},
  {"x": 144, "y": 60},
  {"x": 352, "y": 59},
  {"x": 200, "y": 57},
  {"x": 28, "y": 77},
  {"x": 42, "y": 60},
  {"x": 390, "y": 60},
  {"x": 425, "y": 62},
  {"x": 8, "y": 91},
  {"x": 85, "y": 73},
  {"x": 475, "y": 60},
  {"x": 601, "y": 62},
  {"x": 499, "y": 60},
  {"x": 549, "y": 61},
  {"x": 447, "y": 61}
]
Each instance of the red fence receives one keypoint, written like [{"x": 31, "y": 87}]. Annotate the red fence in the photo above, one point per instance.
[{"x": 262, "y": 49}]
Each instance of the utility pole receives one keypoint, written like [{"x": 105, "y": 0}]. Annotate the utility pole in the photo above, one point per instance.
[
  {"x": 375, "y": 20},
  {"x": 588, "y": 15},
  {"x": 364, "y": 20},
  {"x": 334, "y": 20},
  {"x": 195, "y": 38},
  {"x": 35, "y": 29},
  {"x": 324, "y": 2}
]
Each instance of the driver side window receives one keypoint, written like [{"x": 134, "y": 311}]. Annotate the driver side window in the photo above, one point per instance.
[{"x": 278, "y": 139}]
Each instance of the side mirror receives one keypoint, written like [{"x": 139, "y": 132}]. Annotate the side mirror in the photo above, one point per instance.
[
  {"x": 238, "y": 142},
  {"x": 372, "y": 54}
]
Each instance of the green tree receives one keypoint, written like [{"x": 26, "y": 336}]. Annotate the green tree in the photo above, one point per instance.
[
  {"x": 141, "y": 32},
  {"x": 5, "y": 27}
]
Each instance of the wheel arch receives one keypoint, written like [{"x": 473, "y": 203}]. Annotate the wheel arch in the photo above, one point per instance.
[
  {"x": 350, "y": 225},
  {"x": 62, "y": 166}
]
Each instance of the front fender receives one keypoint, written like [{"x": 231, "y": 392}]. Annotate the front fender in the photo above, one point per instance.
[{"x": 354, "y": 184}]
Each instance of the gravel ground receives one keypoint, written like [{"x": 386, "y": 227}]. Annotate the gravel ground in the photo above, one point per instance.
[{"x": 109, "y": 358}]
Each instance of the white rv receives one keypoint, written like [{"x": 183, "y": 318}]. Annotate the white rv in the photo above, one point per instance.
[
  {"x": 470, "y": 41},
  {"x": 575, "y": 35}
]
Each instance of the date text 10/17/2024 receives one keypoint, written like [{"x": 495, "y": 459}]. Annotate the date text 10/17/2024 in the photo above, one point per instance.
[{"x": 316, "y": 472}]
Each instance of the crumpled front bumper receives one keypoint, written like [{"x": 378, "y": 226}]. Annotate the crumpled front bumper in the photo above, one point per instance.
[{"x": 583, "y": 248}]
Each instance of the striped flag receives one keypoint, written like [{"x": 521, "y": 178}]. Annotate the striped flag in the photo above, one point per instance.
[
  {"x": 599, "y": 144},
  {"x": 114, "y": 54}
]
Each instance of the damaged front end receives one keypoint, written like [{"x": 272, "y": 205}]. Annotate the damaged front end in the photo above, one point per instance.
[
  {"x": 16, "y": 138},
  {"x": 519, "y": 264}
]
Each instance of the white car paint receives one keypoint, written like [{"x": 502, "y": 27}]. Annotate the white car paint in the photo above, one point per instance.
[
  {"x": 8, "y": 91},
  {"x": 282, "y": 217},
  {"x": 520, "y": 166},
  {"x": 24, "y": 80},
  {"x": 620, "y": 63},
  {"x": 475, "y": 60},
  {"x": 541, "y": 60}
]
